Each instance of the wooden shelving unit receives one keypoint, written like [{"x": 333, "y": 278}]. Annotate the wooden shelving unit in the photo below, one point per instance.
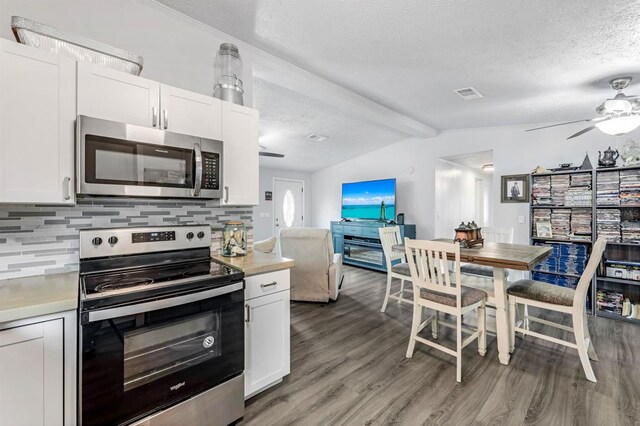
[
  {"x": 621, "y": 251},
  {"x": 581, "y": 248}
]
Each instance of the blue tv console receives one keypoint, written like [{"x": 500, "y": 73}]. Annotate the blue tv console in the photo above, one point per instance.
[{"x": 359, "y": 242}]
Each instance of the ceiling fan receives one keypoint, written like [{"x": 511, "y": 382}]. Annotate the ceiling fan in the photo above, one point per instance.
[
  {"x": 618, "y": 115},
  {"x": 264, "y": 153}
]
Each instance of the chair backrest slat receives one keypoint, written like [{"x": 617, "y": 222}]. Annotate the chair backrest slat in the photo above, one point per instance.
[
  {"x": 428, "y": 261},
  {"x": 580, "y": 297},
  {"x": 497, "y": 235},
  {"x": 390, "y": 236}
]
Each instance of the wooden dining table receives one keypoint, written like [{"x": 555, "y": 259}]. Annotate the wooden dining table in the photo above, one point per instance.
[{"x": 500, "y": 256}]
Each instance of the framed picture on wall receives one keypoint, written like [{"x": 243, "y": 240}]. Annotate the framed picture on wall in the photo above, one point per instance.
[{"x": 515, "y": 189}]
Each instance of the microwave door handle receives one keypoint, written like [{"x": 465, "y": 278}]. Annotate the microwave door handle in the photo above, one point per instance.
[{"x": 197, "y": 184}]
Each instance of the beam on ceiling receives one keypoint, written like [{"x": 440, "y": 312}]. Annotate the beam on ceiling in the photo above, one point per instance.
[{"x": 268, "y": 67}]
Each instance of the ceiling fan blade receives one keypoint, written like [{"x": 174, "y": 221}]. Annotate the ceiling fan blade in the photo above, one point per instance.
[
  {"x": 270, "y": 154},
  {"x": 582, "y": 132},
  {"x": 561, "y": 124}
]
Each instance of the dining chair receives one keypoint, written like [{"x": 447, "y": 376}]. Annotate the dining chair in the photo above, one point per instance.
[
  {"x": 434, "y": 288},
  {"x": 390, "y": 236},
  {"x": 559, "y": 299},
  {"x": 490, "y": 235}
]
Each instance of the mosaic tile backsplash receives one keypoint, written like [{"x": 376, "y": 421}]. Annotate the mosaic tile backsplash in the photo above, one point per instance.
[{"x": 36, "y": 240}]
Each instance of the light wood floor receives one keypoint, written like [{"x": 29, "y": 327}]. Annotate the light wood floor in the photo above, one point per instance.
[{"x": 348, "y": 367}]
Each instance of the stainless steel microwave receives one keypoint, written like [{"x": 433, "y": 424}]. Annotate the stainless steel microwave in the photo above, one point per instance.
[{"x": 119, "y": 159}]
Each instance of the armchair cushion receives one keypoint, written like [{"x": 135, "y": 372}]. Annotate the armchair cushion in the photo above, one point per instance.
[
  {"x": 265, "y": 246},
  {"x": 314, "y": 276}
]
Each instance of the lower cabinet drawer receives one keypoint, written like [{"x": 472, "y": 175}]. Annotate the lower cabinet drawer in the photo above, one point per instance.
[
  {"x": 371, "y": 232},
  {"x": 271, "y": 282}
]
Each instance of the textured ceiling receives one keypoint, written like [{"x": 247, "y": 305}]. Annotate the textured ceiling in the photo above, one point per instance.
[
  {"x": 287, "y": 118},
  {"x": 534, "y": 61}
]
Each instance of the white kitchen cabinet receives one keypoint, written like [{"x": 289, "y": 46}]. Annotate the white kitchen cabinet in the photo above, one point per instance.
[
  {"x": 125, "y": 98},
  {"x": 37, "y": 115},
  {"x": 267, "y": 335},
  {"x": 191, "y": 113},
  {"x": 117, "y": 96},
  {"x": 240, "y": 168},
  {"x": 37, "y": 371}
]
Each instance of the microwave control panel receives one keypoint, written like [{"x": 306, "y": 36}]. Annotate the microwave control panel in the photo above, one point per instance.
[{"x": 210, "y": 170}]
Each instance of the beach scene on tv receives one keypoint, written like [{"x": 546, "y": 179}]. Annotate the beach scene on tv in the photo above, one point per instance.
[{"x": 374, "y": 200}]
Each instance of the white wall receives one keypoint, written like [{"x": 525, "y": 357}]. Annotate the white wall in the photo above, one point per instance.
[
  {"x": 263, "y": 214},
  {"x": 455, "y": 197},
  {"x": 175, "y": 51},
  {"x": 514, "y": 152}
]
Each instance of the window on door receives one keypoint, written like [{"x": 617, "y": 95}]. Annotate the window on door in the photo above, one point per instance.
[{"x": 288, "y": 200}]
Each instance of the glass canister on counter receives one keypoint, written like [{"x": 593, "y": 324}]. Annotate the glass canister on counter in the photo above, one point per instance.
[
  {"x": 234, "y": 239},
  {"x": 228, "y": 73}
]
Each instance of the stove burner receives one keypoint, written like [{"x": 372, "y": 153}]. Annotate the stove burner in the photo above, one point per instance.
[{"x": 138, "y": 282}]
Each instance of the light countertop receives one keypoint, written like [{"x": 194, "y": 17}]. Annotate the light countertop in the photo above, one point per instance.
[
  {"x": 255, "y": 262},
  {"x": 28, "y": 297}
]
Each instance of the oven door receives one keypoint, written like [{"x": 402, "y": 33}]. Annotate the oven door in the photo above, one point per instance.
[
  {"x": 126, "y": 160},
  {"x": 140, "y": 358}
]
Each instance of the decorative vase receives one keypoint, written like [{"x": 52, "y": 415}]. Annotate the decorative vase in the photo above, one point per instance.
[{"x": 234, "y": 239}]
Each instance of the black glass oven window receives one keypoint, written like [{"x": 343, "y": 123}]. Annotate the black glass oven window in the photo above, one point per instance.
[
  {"x": 154, "y": 352},
  {"x": 120, "y": 162}
]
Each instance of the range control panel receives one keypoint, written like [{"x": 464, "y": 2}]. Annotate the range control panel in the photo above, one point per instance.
[
  {"x": 107, "y": 242},
  {"x": 148, "y": 237},
  {"x": 210, "y": 170}
]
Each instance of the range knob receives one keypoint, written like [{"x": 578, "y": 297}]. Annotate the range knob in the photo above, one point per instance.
[
  {"x": 201, "y": 235},
  {"x": 113, "y": 240},
  {"x": 96, "y": 241},
  {"x": 189, "y": 235}
]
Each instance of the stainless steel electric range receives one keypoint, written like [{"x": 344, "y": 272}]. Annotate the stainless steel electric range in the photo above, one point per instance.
[{"x": 161, "y": 329}]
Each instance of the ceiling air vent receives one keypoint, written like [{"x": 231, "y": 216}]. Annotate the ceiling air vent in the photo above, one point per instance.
[
  {"x": 468, "y": 93},
  {"x": 316, "y": 138}
]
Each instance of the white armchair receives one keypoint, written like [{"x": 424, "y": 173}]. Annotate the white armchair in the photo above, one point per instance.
[{"x": 317, "y": 275}]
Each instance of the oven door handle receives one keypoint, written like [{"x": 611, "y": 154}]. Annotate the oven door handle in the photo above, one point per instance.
[
  {"x": 105, "y": 314},
  {"x": 197, "y": 185}
]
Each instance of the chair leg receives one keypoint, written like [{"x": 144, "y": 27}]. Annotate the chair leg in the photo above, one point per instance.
[
  {"x": 417, "y": 318},
  {"x": 386, "y": 296},
  {"x": 459, "y": 348},
  {"x": 482, "y": 330},
  {"x": 401, "y": 291},
  {"x": 523, "y": 313},
  {"x": 578, "y": 331},
  {"x": 434, "y": 325},
  {"x": 512, "y": 324},
  {"x": 591, "y": 351}
]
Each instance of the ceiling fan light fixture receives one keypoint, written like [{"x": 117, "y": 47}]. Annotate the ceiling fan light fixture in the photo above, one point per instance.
[{"x": 619, "y": 125}]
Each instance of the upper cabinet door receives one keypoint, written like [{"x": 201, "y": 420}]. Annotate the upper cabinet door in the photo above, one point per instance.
[
  {"x": 117, "y": 96},
  {"x": 240, "y": 155},
  {"x": 190, "y": 113},
  {"x": 37, "y": 115}
]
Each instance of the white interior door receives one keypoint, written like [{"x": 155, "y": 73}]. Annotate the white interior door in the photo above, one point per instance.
[{"x": 288, "y": 204}]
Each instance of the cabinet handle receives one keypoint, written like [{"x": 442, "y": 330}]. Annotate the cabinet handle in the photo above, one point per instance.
[
  {"x": 154, "y": 116},
  {"x": 226, "y": 194},
  {"x": 165, "y": 118},
  {"x": 67, "y": 187},
  {"x": 268, "y": 285},
  {"x": 247, "y": 313}
]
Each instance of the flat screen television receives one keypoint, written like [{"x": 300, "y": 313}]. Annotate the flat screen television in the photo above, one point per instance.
[{"x": 372, "y": 200}]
